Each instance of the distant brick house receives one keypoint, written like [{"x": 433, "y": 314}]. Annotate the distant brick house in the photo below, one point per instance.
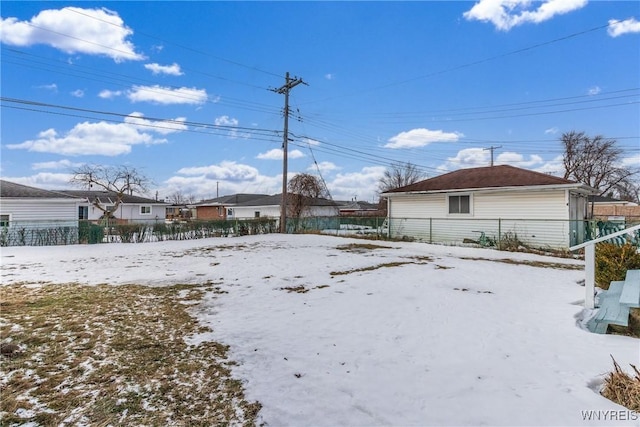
[{"x": 222, "y": 208}]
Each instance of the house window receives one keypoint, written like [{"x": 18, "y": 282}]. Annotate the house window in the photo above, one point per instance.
[
  {"x": 229, "y": 212},
  {"x": 5, "y": 220},
  {"x": 145, "y": 210},
  {"x": 460, "y": 204},
  {"x": 257, "y": 214},
  {"x": 83, "y": 212}
]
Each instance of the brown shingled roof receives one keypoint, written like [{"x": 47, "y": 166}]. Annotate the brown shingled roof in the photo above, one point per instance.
[{"x": 485, "y": 177}]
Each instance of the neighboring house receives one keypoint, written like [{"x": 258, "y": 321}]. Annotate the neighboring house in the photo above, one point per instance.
[
  {"x": 222, "y": 207},
  {"x": 248, "y": 206},
  {"x": 358, "y": 208},
  {"x": 542, "y": 210},
  {"x": 35, "y": 214},
  {"x": 269, "y": 206},
  {"x": 132, "y": 208},
  {"x": 609, "y": 208},
  {"x": 178, "y": 212}
]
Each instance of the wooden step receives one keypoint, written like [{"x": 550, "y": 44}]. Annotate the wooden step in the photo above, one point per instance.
[{"x": 630, "y": 295}]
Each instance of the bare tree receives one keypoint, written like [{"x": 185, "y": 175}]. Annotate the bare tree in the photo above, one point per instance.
[
  {"x": 179, "y": 198},
  {"x": 119, "y": 180},
  {"x": 302, "y": 189},
  {"x": 597, "y": 162},
  {"x": 399, "y": 175}
]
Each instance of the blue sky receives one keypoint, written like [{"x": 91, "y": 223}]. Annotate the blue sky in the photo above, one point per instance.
[{"x": 183, "y": 91}]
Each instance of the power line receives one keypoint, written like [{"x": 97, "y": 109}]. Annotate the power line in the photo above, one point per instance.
[
  {"x": 468, "y": 64},
  {"x": 219, "y": 58}
]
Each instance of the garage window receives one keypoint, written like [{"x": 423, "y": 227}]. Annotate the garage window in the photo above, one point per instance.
[{"x": 460, "y": 204}]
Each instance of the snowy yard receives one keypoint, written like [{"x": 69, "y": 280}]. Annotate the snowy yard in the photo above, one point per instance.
[{"x": 332, "y": 331}]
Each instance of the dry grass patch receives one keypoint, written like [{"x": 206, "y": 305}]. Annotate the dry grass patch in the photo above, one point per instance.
[
  {"x": 361, "y": 247},
  {"x": 542, "y": 264},
  {"x": 301, "y": 289},
  {"x": 622, "y": 388},
  {"x": 374, "y": 267},
  {"x": 114, "y": 355}
]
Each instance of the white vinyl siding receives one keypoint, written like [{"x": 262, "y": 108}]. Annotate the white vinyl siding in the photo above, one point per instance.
[
  {"x": 426, "y": 217},
  {"x": 132, "y": 212},
  {"x": 521, "y": 205},
  {"x": 273, "y": 211},
  {"x": 40, "y": 209}
]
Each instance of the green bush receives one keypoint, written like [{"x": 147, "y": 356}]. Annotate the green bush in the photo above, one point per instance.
[{"x": 613, "y": 261}]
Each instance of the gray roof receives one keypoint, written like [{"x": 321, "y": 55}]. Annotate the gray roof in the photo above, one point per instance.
[
  {"x": 232, "y": 199},
  {"x": 358, "y": 205},
  {"x": 110, "y": 197},
  {"x": 276, "y": 199},
  {"x": 12, "y": 190},
  {"x": 257, "y": 200}
]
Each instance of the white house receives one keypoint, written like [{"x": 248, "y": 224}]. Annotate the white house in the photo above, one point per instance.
[
  {"x": 132, "y": 209},
  {"x": 542, "y": 210},
  {"x": 250, "y": 206},
  {"x": 269, "y": 206},
  {"x": 29, "y": 215}
]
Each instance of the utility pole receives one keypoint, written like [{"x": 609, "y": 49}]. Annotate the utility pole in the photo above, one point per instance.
[
  {"x": 492, "y": 148},
  {"x": 289, "y": 84}
]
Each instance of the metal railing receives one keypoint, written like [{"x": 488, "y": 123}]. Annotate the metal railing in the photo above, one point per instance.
[{"x": 590, "y": 261}]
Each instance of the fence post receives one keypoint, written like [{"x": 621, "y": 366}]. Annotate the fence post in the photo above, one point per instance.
[
  {"x": 589, "y": 272},
  {"x": 499, "y": 233},
  {"x": 430, "y": 230}
]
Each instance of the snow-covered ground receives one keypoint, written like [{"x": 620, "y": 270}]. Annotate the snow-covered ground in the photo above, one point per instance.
[{"x": 434, "y": 339}]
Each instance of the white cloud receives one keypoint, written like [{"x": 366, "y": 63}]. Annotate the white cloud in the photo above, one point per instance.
[
  {"x": 228, "y": 176},
  {"x": 51, "y": 87},
  {"x": 73, "y": 30},
  {"x": 276, "y": 154},
  {"x": 109, "y": 94},
  {"x": 230, "y": 122},
  {"x": 552, "y": 131},
  {"x": 421, "y": 137},
  {"x": 329, "y": 76},
  {"x": 362, "y": 184},
  {"x": 44, "y": 180},
  {"x": 228, "y": 170},
  {"x": 166, "y": 95},
  {"x": 467, "y": 158},
  {"x": 633, "y": 161},
  {"x": 60, "y": 164},
  {"x": 506, "y": 14},
  {"x": 324, "y": 167},
  {"x": 163, "y": 127},
  {"x": 78, "y": 93},
  {"x": 618, "y": 28},
  {"x": 594, "y": 90},
  {"x": 311, "y": 142},
  {"x": 99, "y": 138},
  {"x": 518, "y": 160},
  {"x": 225, "y": 121},
  {"x": 172, "y": 70},
  {"x": 552, "y": 167}
]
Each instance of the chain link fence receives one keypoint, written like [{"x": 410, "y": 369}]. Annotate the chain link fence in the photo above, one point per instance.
[{"x": 499, "y": 233}]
